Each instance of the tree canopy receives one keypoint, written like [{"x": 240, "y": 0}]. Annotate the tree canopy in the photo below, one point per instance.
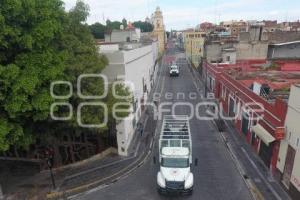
[
  {"x": 144, "y": 26},
  {"x": 40, "y": 43},
  {"x": 98, "y": 30}
]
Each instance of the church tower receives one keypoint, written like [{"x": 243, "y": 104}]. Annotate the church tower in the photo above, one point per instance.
[{"x": 159, "y": 29}]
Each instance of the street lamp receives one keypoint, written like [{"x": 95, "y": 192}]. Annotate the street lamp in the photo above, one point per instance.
[
  {"x": 192, "y": 52},
  {"x": 49, "y": 155}
]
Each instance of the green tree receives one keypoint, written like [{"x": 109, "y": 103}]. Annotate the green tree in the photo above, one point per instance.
[
  {"x": 98, "y": 30},
  {"x": 41, "y": 43},
  {"x": 113, "y": 25},
  {"x": 29, "y": 61},
  {"x": 144, "y": 26},
  {"x": 84, "y": 58},
  {"x": 124, "y": 22}
]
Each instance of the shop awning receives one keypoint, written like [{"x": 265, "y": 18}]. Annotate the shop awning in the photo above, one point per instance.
[{"x": 263, "y": 134}]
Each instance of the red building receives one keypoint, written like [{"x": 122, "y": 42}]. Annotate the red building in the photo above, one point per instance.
[{"x": 235, "y": 87}]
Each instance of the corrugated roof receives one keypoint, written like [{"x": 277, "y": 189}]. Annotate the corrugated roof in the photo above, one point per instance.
[{"x": 286, "y": 43}]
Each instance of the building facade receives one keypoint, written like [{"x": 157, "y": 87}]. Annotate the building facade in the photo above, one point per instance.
[
  {"x": 194, "y": 46},
  {"x": 135, "y": 67},
  {"x": 262, "y": 130},
  {"x": 127, "y": 35},
  {"x": 159, "y": 29},
  {"x": 288, "y": 163}
]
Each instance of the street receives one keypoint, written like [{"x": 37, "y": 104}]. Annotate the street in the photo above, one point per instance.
[{"x": 216, "y": 176}]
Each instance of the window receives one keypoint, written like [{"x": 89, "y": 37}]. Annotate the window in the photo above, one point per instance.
[
  {"x": 175, "y": 162},
  {"x": 213, "y": 84},
  {"x": 228, "y": 58}
]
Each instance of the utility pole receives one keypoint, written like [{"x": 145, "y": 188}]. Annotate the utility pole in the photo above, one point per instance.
[
  {"x": 192, "y": 52},
  {"x": 204, "y": 64}
]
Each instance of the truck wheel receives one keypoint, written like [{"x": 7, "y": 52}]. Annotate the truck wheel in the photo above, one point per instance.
[
  {"x": 188, "y": 192},
  {"x": 159, "y": 190}
]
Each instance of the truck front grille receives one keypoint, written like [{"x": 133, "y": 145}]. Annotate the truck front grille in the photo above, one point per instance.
[{"x": 176, "y": 185}]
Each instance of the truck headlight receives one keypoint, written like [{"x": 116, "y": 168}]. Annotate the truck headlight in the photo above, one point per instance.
[
  {"x": 189, "y": 182},
  {"x": 160, "y": 180}
]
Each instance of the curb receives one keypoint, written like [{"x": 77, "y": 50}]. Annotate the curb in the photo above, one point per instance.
[
  {"x": 110, "y": 150},
  {"x": 255, "y": 193},
  {"x": 85, "y": 187}
]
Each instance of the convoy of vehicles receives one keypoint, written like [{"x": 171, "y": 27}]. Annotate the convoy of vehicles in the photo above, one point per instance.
[{"x": 175, "y": 156}]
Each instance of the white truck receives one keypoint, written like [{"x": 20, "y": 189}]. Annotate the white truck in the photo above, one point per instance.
[
  {"x": 175, "y": 156},
  {"x": 174, "y": 70}
]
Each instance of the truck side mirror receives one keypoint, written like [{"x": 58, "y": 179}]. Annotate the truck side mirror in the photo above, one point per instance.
[
  {"x": 196, "y": 161},
  {"x": 154, "y": 160}
]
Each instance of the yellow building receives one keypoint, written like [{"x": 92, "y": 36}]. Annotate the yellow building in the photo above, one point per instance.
[
  {"x": 194, "y": 46},
  {"x": 159, "y": 29}
]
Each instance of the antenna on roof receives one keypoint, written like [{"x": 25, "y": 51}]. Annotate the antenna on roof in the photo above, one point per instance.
[{"x": 103, "y": 18}]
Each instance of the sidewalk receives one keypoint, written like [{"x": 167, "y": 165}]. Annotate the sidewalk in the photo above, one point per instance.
[
  {"x": 252, "y": 166},
  {"x": 257, "y": 176}
]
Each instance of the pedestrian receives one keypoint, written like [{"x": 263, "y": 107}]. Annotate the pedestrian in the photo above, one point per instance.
[{"x": 141, "y": 131}]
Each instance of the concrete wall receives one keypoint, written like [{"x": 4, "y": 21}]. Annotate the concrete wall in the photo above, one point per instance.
[
  {"x": 250, "y": 51},
  {"x": 138, "y": 65},
  {"x": 282, "y": 36},
  {"x": 289, "y": 51},
  {"x": 213, "y": 52},
  {"x": 121, "y": 36},
  {"x": 231, "y": 55}
]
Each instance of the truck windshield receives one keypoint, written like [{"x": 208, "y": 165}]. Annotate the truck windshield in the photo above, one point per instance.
[
  {"x": 174, "y": 67},
  {"x": 175, "y": 162}
]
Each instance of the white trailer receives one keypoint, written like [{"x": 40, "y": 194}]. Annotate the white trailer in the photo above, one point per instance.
[{"x": 175, "y": 156}]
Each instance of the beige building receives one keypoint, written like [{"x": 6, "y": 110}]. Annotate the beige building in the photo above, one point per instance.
[
  {"x": 288, "y": 163},
  {"x": 194, "y": 46},
  {"x": 159, "y": 29}
]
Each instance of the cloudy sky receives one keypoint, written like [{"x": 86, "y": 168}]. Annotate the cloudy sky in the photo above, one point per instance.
[{"x": 188, "y": 13}]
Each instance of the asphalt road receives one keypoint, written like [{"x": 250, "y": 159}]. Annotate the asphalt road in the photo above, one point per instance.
[{"x": 216, "y": 176}]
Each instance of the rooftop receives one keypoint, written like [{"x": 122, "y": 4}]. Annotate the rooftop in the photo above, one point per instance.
[
  {"x": 275, "y": 77},
  {"x": 286, "y": 43}
]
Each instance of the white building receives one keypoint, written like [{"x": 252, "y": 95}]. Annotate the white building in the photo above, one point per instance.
[
  {"x": 288, "y": 163},
  {"x": 127, "y": 35},
  {"x": 132, "y": 64}
]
